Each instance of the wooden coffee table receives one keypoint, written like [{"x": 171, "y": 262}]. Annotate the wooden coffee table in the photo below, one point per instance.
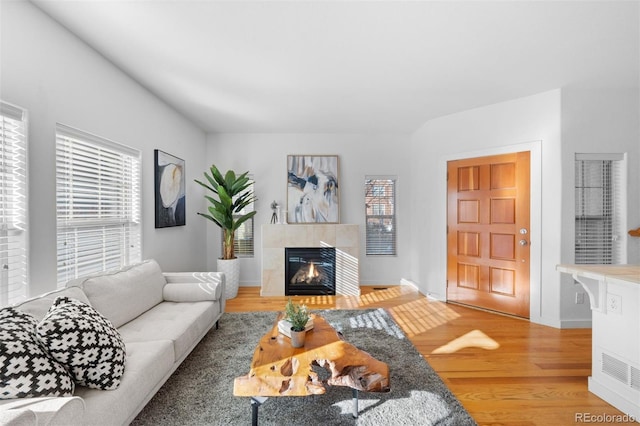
[{"x": 279, "y": 369}]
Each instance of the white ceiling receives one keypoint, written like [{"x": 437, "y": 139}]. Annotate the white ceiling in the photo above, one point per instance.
[{"x": 354, "y": 66}]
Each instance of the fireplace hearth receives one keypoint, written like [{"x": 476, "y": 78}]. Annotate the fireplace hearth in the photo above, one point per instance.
[{"x": 310, "y": 271}]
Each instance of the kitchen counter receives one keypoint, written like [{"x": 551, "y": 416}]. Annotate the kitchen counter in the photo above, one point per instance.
[{"x": 614, "y": 296}]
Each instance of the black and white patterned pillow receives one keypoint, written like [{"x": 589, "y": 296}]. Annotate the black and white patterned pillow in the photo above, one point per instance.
[
  {"x": 85, "y": 342},
  {"x": 26, "y": 370}
]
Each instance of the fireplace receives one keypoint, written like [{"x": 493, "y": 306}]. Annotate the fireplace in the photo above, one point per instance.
[
  {"x": 310, "y": 270},
  {"x": 344, "y": 238}
]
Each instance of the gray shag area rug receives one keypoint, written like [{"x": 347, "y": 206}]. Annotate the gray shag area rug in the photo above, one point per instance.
[{"x": 200, "y": 392}]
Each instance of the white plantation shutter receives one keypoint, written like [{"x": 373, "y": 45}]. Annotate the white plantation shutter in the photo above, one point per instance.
[
  {"x": 600, "y": 209},
  {"x": 13, "y": 204},
  {"x": 380, "y": 215},
  {"x": 97, "y": 204}
]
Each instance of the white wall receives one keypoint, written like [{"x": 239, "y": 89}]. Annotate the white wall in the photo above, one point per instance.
[
  {"x": 57, "y": 78},
  {"x": 597, "y": 120},
  {"x": 565, "y": 122},
  {"x": 265, "y": 156},
  {"x": 486, "y": 131}
]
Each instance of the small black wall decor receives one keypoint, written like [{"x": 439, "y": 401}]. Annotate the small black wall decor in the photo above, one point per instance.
[{"x": 169, "y": 190}]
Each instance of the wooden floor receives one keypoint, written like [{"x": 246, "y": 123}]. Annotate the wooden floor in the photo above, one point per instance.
[{"x": 505, "y": 371}]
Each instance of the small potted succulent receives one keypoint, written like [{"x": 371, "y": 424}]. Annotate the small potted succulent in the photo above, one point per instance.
[{"x": 298, "y": 316}]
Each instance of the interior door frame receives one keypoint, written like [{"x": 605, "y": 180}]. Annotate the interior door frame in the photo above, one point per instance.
[{"x": 535, "y": 215}]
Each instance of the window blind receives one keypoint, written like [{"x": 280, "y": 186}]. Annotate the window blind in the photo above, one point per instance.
[
  {"x": 97, "y": 204},
  {"x": 243, "y": 239},
  {"x": 380, "y": 215},
  {"x": 13, "y": 204},
  {"x": 600, "y": 211}
]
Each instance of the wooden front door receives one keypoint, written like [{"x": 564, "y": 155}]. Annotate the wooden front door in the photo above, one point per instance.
[{"x": 488, "y": 232}]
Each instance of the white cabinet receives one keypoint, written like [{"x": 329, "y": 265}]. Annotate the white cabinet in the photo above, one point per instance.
[{"x": 614, "y": 293}]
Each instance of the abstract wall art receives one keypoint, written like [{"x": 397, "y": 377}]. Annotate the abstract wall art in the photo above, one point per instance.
[
  {"x": 312, "y": 189},
  {"x": 169, "y": 190}
]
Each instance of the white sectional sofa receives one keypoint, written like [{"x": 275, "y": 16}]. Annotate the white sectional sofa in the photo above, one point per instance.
[{"x": 160, "y": 316}]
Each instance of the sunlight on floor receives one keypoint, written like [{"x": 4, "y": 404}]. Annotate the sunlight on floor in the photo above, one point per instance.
[
  {"x": 473, "y": 339},
  {"x": 350, "y": 302},
  {"x": 320, "y": 300},
  {"x": 422, "y": 315},
  {"x": 378, "y": 296}
]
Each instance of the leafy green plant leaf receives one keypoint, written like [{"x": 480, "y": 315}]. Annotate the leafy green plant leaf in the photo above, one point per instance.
[{"x": 233, "y": 195}]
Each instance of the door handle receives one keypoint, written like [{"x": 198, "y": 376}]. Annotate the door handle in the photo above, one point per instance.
[{"x": 523, "y": 242}]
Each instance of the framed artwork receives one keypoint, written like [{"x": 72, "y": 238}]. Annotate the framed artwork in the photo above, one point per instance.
[
  {"x": 312, "y": 189},
  {"x": 169, "y": 189}
]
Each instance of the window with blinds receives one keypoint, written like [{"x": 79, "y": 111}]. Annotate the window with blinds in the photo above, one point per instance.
[
  {"x": 13, "y": 204},
  {"x": 243, "y": 239},
  {"x": 380, "y": 215},
  {"x": 600, "y": 210},
  {"x": 97, "y": 204}
]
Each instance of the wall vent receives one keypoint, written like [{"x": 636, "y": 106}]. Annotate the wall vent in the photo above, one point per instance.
[
  {"x": 615, "y": 368},
  {"x": 635, "y": 378}
]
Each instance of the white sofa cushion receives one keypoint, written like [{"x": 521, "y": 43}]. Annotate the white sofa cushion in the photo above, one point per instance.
[
  {"x": 85, "y": 342},
  {"x": 148, "y": 363},
  {"x": 26, "y": 370},
  {"x": 124, "y": 294},
  {"x": 39, "y": 306},
  {"x": 212, "y": 282},
  {"x": 182, "y": 323},
  {"x": 191, "y": 292}
]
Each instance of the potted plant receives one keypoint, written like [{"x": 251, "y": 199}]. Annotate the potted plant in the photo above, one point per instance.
[
  {"x": 298, "y": 316},
  {"x": 231, "y": 196}
]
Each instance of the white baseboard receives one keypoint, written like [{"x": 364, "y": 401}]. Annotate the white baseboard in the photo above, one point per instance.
[
  {"x": 436, "y": 297},
  {"x": 621, "y": 402},
  {"x": 404, "y": 281},
  {"x": 575, "y": 323}
]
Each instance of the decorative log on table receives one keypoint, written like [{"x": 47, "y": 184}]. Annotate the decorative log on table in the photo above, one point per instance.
[{"x": 278, "y": 369}]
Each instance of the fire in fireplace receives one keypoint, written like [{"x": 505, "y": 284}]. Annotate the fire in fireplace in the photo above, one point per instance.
[{"x": 310, "y": 271}]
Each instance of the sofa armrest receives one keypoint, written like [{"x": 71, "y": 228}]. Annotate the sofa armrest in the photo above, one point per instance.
[
  {"x": 24, "y": 417},
  {"x": 43, "y": 411},
  {"x": 194, "y": 287}
]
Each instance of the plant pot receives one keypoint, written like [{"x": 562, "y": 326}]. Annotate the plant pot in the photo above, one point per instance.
[
  {"x": 231, "y": 269},
  {"x": 297, "y": 338}
]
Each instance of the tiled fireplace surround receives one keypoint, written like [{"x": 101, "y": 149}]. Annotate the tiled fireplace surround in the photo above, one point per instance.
[{"x": 345, "y": 238}]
